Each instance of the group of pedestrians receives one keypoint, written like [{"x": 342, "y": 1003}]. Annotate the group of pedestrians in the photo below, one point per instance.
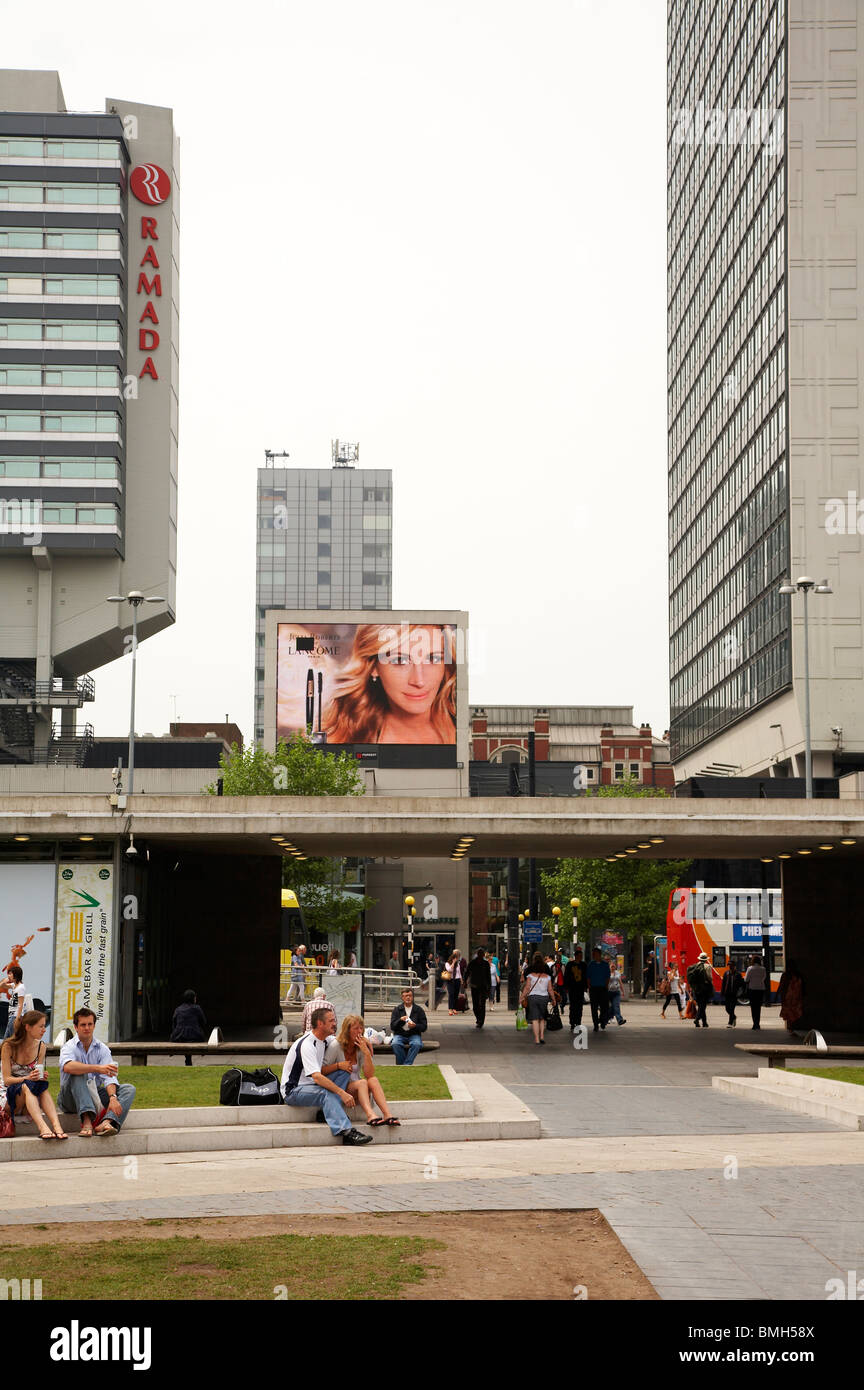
[
  {"x": 737, "y": 988},
  {"x": 547, "y": 983}
]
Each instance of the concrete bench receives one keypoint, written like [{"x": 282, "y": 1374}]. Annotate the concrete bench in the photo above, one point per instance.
[
  {"x": 141, "y": 1052},
  {"x": 777, "y": 1053}
]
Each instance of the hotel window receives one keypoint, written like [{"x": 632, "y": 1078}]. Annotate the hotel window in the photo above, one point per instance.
[
  {"x": 18, "y": 148},
  {"x": 60, "y": 330},
  {"x": 61, "y": 239},
  {"x": 102, "y": 194}
]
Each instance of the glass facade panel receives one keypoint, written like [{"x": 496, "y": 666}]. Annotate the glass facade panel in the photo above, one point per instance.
[{"x": 727, "y": 368}]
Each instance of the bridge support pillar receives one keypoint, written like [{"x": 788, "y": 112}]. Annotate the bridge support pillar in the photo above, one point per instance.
[{"x": 822, "y": 930}]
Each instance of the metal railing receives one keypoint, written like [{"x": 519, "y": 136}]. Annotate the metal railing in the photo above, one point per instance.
[
  {"x": 381, "y": 988},
  {"x": 57, "y": 691}
]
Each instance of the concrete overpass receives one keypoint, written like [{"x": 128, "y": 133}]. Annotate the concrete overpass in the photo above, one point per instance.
[
  {"x": 207, "y": 889},
  {"x": 498, "y": 827}
]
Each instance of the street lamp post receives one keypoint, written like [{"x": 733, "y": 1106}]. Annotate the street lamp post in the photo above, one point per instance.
[
  {"x": 803, "y": 585},
  {"x": 134, "y": 598},
  {"x": 556, "y": 913},
  {"x": 409, "y": 906},
  {"x": 574, "y": 903}
]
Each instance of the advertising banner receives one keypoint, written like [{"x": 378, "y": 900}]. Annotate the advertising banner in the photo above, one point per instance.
[
  {"x": 367, "y": 684},
  {"x": 26, "y": 924},
  {"x": 82, "y": 964}
]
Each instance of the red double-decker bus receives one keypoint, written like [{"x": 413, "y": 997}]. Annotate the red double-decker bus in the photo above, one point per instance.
[{"x": 727, "y": 924}]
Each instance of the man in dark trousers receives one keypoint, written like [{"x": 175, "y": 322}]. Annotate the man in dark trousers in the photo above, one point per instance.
[
  {"x": 407, "y": 1024},
  {"x": 648, "y": 974},
  {"x": 576, "y": 983},
  {"x": 701, "y": 982},
  {"x": 598, "y": 988},
  {"x": 479, "y": 977}
]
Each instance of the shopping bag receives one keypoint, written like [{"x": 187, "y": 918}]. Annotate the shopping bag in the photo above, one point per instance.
[{"x": 521, "y": 1020}]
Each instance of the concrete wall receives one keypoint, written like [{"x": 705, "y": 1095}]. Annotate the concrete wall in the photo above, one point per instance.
[
  {"x": 222, "y": 918},
  {"x": 38, "y": 781}
]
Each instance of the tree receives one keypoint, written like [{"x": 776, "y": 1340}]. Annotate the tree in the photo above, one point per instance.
[
  {"x": 296, "y": 768},
  {"x": 326, "y": 904},
  {"x": 630, "y": 896}
]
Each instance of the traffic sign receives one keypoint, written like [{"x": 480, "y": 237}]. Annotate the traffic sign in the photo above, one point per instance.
[{"x": 532, "y": 932}]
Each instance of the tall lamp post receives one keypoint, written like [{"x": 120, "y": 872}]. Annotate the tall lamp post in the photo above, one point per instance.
[
  {"x": 803, "y": 585},
  {"x": 409, "y": 909},
  {"x": 574, "y": 903},
  {"x": 556, "y": 913},
  {"x": 134, "y": 598}
]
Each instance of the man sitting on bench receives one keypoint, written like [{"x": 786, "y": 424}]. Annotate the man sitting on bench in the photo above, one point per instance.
[{"x": 407, "y": 1024}]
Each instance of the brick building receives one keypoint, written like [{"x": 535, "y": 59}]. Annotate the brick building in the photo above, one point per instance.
[{"x": 602, "y": 740}]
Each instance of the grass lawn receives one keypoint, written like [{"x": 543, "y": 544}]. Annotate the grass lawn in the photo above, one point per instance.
[
  {"x": 178, "y": 1267},
  {"x": 162, "y": 1087},
  {"x": 854, "y": 1075}
]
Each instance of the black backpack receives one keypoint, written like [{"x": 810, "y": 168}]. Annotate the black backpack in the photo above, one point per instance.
[{"x": 249, "y": 1087}]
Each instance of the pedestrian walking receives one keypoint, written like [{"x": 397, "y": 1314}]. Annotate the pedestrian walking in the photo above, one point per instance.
[
  {"x": 558, "y": 979},
  {"x": 495, "y": 992},
  {"x": 670, "y": 989},
  {"x": 647, "y": 974},
  {"x": 479, "y": 976},
  {"x": 754, "y": 981},
  {"x": 598, "y": 989},
  {"x": 298, "y": 976},
  {"x": 576, "y": 983},
  {"x": 615, "y": 995},
  {"x": 731, "y": 989},
  {"x": 538, "y": 993},
  {"x": 701, "y": 982},
  {"x": 790, "y": 993},
  {"x": 454, "y": 975}
]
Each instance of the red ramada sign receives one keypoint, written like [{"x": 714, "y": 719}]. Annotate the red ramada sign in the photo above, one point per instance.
[{"x": 150, "y": 185}]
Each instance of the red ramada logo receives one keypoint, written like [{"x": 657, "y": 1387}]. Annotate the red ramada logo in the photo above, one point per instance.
[{"x": 150, "y": 184}]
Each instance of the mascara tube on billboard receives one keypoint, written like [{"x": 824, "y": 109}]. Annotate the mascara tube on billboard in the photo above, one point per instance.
[{"x": 310, "y": 701}]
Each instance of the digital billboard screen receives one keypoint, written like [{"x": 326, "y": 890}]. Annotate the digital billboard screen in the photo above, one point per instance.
[{"x": 368, "y": 685}]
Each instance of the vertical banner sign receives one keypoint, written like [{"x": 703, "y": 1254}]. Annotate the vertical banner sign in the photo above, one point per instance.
[{"x": 82, "y": 963}]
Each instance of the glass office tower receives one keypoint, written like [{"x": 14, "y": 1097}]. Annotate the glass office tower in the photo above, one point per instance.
[{"x": 727, "y": 364}]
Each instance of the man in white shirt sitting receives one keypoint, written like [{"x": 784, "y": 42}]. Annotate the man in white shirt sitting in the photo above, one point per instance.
[
  {"x": 307, "y": 1081},
  {"x": 88, "y": 1080}
]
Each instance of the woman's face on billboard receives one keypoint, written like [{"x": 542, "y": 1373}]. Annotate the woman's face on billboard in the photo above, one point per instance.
[{"x": 411, "y": 670}]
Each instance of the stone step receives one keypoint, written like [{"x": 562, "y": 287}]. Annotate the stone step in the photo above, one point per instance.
[
  {"x": 481, "y": 1109},
  {"x": 205, "y": 1116},
  {"x": 764, "y": 1092},
  {"x": 815, "y": 1085}
]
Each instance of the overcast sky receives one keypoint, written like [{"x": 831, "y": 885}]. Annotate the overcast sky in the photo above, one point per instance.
[{"x": 436, "y": 227}]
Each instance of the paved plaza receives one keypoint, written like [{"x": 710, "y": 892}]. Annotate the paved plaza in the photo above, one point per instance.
[{"x": 713, "y": 1196}]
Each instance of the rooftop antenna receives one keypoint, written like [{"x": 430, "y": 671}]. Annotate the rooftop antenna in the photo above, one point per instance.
[
  {"x": 344, "y": 455},
  {"x": 270, "y": 455}
]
